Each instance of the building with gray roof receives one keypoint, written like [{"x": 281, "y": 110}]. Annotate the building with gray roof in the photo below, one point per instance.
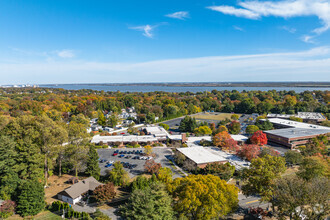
[{"x": 74, "y": 193}]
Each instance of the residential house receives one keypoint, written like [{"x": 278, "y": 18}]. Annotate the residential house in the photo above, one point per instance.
[{"x": 75, "y": 193}]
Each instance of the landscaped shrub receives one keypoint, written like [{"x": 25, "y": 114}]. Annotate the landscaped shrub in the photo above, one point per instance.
[{"x": 7, "y": 209}]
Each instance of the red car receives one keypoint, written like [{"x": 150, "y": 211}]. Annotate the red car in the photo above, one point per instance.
[{"x": 115, "y": 154}]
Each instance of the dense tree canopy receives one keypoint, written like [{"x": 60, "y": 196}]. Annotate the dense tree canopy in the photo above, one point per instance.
[
  {"x": 203, "y": 197},
  {"x": 152, "y": 202}
]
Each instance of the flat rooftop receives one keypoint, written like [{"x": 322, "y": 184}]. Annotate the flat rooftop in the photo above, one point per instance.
[
  {"x": 302, "y": 115},
  {"x": 121, "y": 138},
  {"x": 200, "y": 155},
  {"x": 295, "y": 124},
  {"x": 297, "y": 132}
]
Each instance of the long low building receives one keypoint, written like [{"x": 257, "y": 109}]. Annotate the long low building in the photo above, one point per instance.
[
  {"x": 124, "y": 139},
  {"x": 202, "y": 156},
  {"x": 293, "y": 134},
  {"x": 293, "y": 137}
]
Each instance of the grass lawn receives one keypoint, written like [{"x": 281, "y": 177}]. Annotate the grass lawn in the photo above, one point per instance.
[
  {"x": 214, "y": 116},
  {"x": 43, "y": 215}
]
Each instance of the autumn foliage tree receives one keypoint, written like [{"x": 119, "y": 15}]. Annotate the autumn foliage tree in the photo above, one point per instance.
[
  {"x": 104, "y": 193},
  {"x": 220, "y": 138},
  {"x": 152, "y": 167},
  {"x": 203, "y": 197},
  {"x": 230, "y": 144},
  {"x": 249, "y": 152},
  {"x": 259, "y": 138}
]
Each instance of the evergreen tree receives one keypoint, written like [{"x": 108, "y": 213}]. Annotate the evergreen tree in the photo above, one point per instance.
[
  {"x": 152, "y": 202},
  {"x": 93, "y": 168},
  {"x": 8, "y": 176},
  {"x": 30, "y": 198}
]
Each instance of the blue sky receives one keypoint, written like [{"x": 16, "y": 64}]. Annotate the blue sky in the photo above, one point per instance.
[{"x": 79, "y": 41}]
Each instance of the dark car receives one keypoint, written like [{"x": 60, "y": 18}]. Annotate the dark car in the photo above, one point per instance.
[
  {"x": 127, "y": 157},
  {"x": 122, "y": 155},
  {"x": 108, "y": 165}
]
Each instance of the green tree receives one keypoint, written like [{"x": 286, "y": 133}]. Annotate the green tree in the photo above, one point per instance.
[
  {"x": 166, "y": 127},
  {"x": 265, "y": 125},
  {"x": 8, "y": 176},
  {"x": 77, "y": 156},
  {"x": 293, "y": 118},
  {"x": 152, "y": 202},
  {"x": 24, "y": 132},
  {"x": 251, "y": 129},
  {"x": 113, "y": 120},
  {"x": 293, "y": 157},
  {"x": 203, "y": 197},
  {"x": 101, "y": 118},
  {"x": 93, "y": 168},
  {"x": 313, "y": 167},
  {"x": 188, "y": 124},
  {"x": 51, "y": 135},
  {"x": 203, "y": 130},
  {"x": 234, "y": 127},
  {"x": 224, "y": 171},
  {"x": 30, "y": 199},
  {"x": 80, "y": 119},
  {"x": 118, "y": 175},
  {"x": 234, "y": 117},
  {"x": 261, "y": 175}
]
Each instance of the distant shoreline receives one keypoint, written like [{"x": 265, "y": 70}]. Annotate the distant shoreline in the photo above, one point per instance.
[{"x": 208, "y": 84}]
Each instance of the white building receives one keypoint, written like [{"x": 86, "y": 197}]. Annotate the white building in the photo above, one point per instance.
[{"x": 74, "y": 193}]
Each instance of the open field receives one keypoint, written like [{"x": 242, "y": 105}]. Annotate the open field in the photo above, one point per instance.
[
  {"x": 214, "y": 116},
  {"x": 46, "y": 215}
]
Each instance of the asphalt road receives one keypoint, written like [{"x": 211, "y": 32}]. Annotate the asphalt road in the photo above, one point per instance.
[{"x": 251, "y": 202}]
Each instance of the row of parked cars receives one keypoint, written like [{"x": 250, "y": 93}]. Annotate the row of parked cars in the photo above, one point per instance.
[{"x": 136, "y": 152}]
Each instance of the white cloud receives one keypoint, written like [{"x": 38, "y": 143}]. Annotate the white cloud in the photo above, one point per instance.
[
  {"x": 289, "y": 29},
  {"x": 146, "y": 29},
  {"x": 308, "y": 39},
  {"x": 238, "y": 28},
  {"x": 254, "y": 9},
  {"x": 239, "y": 12},
  {"x": 65, "y": 53},
  {"x": 179, "y": 15},
  {"x": 313, "y": 64}
]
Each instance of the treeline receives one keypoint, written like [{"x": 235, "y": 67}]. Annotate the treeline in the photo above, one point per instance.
[
  {"x": 60, "y": 103},
  {"x": 32, "y": 148}
]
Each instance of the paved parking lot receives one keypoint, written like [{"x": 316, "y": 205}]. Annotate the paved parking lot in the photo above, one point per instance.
[{"x": 161, "y": 157}]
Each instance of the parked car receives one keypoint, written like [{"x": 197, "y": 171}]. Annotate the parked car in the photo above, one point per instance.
[
  {"x": 122, "y": 155},
  {"x": 127, "y": 157},
  {"x": 136, "y": 157},
  {"x": 114, "y": 154},
  {"x": 108, "y": 165}
]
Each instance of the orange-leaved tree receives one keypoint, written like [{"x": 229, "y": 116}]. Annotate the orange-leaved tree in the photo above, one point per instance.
[{"x": 220, "y": 138}]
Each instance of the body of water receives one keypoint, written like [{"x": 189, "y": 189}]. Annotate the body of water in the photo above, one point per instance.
[{"x": 151, "y": 88}]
